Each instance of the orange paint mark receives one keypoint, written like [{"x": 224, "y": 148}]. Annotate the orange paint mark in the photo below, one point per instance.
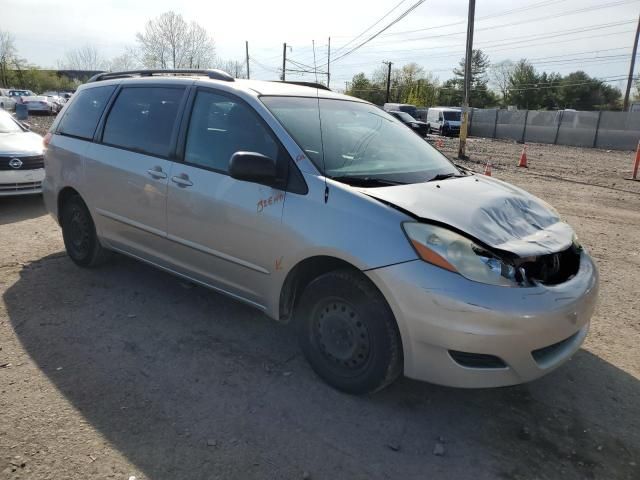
[
  {"x": 267, "y": 202},
  {"x": 279, "y": 263}
]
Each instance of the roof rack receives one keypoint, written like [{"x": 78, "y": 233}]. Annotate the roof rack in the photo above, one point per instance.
[
  {"x": 305, "y": 84},
  {"x": 213, "y": 74}
]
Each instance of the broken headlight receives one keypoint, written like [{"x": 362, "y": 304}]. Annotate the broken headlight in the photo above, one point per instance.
[{"x": 456, "y": 253}]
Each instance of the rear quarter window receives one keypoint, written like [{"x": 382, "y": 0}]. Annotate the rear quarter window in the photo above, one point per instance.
[{"x": 82, "y": 115}]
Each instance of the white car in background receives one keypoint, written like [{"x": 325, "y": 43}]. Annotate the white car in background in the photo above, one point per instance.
[
  {"x": 41, "y": 104},
  {"x": 6, "y": 102},
  {"x": 21, "y": 160}
]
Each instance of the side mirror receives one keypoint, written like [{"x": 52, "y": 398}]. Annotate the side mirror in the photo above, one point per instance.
[{"x": 254, "y": 167}]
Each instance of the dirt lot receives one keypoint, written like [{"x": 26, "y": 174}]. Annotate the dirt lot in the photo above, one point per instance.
[{"x": 126, "y": 371}]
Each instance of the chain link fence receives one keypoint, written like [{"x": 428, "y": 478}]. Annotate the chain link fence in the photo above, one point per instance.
[{"x": 611, "y": 130}]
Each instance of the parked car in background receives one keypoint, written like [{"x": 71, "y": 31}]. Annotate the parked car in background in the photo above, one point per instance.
[
  {"x": 320, "y": 209},
  {"x": 18, "y": 94},
  {"x": 421, "y": 114},
  {"x": 41, "y": 104},
  {"x": 58, "y": 100},
  {"x": 416, "y": 125},
  {"x": 6, "y": 102},
  {"x": 444, "y": 120},
  {"x": 401, "y": 107},
  {"x": 21, "y": 160}
]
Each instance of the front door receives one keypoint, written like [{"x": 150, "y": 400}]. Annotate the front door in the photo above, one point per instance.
[{"x": 224, "y": 232}]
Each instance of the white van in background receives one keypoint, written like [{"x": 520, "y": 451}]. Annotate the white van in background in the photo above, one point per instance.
[{"x": 444, "y": 120}]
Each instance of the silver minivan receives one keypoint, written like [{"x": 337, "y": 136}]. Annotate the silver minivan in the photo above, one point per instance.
[{"x": 321, "y": 210}]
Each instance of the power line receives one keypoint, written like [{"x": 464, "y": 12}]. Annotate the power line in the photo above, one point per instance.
[
  {"x": 546, "y": 17},
  {"x": 389, "y": 25},
  {"x": 369, "y": 28}
]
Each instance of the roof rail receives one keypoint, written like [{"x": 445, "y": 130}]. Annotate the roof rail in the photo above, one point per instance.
[
  {"x": 213, "y": 74},
  {"x": 305, "y": 84}
]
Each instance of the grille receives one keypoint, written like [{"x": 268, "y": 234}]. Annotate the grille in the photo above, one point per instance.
[
  {"x": 28, "y": 163},
  {"x": 554, "y": 268},
  {"x": 18, "y": 187},
  {"x": 477, "y": 360}
]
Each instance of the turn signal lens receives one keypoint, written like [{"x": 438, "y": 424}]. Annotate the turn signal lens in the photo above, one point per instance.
[{"x": 46, "y": 139}]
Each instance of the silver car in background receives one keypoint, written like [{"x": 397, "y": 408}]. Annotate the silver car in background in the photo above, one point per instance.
[
  {"x": 21, "y": 159},
  {"x": 321, "y": 210},
  {"x": 42, "y": 104}
]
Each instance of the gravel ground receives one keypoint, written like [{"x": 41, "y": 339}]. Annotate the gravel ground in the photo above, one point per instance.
[{"x": 126, "y": 371}]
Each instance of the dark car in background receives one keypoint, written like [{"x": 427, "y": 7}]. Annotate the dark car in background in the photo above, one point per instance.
[{"x": 416, "y": 125}]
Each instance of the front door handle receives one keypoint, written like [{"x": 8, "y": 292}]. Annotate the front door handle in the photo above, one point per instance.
[
  {"x": 157, "y": 173},
  {"x": 182, "y": 180}
]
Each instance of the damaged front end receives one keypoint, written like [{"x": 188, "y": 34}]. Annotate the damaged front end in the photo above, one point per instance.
[{"x": 476, "y": 261}]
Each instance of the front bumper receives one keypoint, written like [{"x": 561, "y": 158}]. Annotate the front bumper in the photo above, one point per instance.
[
  {"x": 532, "y": 330},
  {"x": 21, "y": 182}
]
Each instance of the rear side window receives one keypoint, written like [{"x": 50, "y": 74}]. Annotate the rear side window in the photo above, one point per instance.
[
  {"x": 82, "y": 115},
  {"x": 143, "y": 119},
  {"x": 220, "y": 127}
]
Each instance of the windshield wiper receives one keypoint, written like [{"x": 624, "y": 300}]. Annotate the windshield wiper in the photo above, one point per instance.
[
  {"x": 365, "y": 181},
  {"x": 444, "y": 176}
]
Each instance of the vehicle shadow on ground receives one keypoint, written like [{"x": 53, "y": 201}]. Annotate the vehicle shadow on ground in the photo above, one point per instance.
[
  {"x": 189, "y": 384},
  {"x": 20, "y": 207}
]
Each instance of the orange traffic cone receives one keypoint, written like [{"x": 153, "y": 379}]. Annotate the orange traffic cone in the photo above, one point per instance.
[
  {"x": 636, "y": 164},
  {"x": 487, "y": 169},
  {"x": 523, "y": 158}
]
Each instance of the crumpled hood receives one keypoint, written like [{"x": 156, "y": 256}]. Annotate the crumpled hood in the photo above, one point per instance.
[
  {"x": 20, "y": 143},
  {"x": 496, "y": 213}
]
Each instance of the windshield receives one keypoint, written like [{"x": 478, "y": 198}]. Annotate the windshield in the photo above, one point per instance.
[
  {"x": 452, "y": 116},
  {"x": 358, "y": 140},
  {"x": 8, "y": 125},
  {"x": 405, "y": 117},
  {"x": 19, "y": 93}
]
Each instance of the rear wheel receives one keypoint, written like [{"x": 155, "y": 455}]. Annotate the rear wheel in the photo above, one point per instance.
[
  {"x": 79, "y": 234},
  {"x": 348, "y": 333}
]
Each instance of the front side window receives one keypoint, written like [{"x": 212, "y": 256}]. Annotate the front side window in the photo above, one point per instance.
[
  {"x": 81, "y": 117},
  {"x": 142, "y": 119},
  {"x": 357, "y": 141},
  {"x": 221, "y": 126}
]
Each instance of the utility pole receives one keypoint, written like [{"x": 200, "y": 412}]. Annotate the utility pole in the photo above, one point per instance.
[
  {"x": 284, "y": 60},
  {"x": 631, "y": 68},
  {"x": 246, "y": 47},
  {"x": 388, "y": 64},
  {"x": 328, "y": 62},
  {"x": 464, "y": 127}
]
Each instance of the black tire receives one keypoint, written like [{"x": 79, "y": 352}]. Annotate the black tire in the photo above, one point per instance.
[
  {"x": 79, "y": 234},
  {"x": 348, "y": 333}
]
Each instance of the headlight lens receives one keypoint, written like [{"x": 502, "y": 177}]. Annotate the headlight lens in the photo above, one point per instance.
[{"x": 453, "y": 252}]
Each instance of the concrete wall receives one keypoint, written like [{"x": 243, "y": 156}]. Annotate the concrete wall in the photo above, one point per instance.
[{"x": 612, "y": 130}]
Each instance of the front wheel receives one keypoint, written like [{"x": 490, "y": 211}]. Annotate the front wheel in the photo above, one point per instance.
[
  {"x": 348, "y": 333},
  {"x": 79, "y": 234}
]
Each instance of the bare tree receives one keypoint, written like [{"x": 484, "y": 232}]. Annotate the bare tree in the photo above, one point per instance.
[
  {"x": 7, "y": 57},
  {"x": 86, "y": 57},
  {"x": 126, "y": 61},
  {"x": 168, "y": 41},
  {"x": 500, "y": 76}
]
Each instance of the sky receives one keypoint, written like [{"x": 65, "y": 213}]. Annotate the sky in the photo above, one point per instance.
[{"x": 556, "y": 35}]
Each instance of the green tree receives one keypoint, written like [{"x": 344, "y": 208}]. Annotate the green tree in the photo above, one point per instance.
[
  {"x": 480, "y": 96},
  {"x": 523, "y": 86}
]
